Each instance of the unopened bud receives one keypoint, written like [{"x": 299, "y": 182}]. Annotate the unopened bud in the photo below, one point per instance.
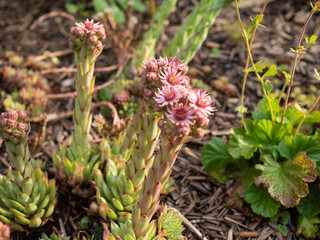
[
  {"x": 12, "y": 114},
  {"x": 152, "y": 66},
  {"x": 22, "y": 126},
  {"x": 101, "y": 33},
  {"x": 151, "y": 76},
  {"x": 22, "y": 115},
  {"x": 162, "y": 124},
  {"x": 93, "y": 39},
  {"x": 199, "y": 133},
  {"x": 11, "y": 123}
]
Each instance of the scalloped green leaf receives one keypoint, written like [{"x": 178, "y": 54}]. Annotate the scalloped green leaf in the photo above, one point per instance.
[
  {"x": 241, "y": 144},
  {"x": 214, "y": 155},
  {"x": 306, "y": 226},
  {"x": 264, "y": 110},
  {"x": 290, "y": 146},
  {"x": 266, "y": 133},
  {"x": 287, "y": 183},
  {"x": 261, "y": 202},
  {"x": 310, "y": 205}
]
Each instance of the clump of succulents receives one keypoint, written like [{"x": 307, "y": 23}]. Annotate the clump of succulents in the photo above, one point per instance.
[{"x": 27, "y": 198}]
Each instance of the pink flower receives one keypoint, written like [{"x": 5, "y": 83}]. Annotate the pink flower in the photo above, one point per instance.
[
  {"x": 168, "y": 95},
  {"x": 181, "y": 114},
  {"x": 170, "y": 76},
  {"x": 89, "y": 26},
  {"x": 201, "y": 101}
]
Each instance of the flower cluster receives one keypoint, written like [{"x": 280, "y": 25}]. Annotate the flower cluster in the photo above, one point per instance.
[
  {"x": 13, "y": 125},
  {"x": 87, "y": 32},
  {"x": 185, "y": 109}
]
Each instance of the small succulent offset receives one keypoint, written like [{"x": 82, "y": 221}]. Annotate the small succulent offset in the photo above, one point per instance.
[
  {"x": 27, "y": 199},
  {"x": 76, "y": 162}
]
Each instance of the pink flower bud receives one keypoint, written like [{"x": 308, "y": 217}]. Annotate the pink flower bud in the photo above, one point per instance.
[
  {"x": 22, "y": 126},
  {"x": 22, "y": 115},
  {"x": 11, "y": 123},
  {"x": 12, "y": 114},
  {"x": 182, "y": 130},
  {"x": 151, "y": 76},
  {"x": 4, "y": 122},
  {"x": 93, "y": 39},
  {"x": 16, "y": 133},
  {"x": 151, "y": 66},
  {"x": 199, "y": 133},
  {"x": 101, "y": 33},
  {"x": 162, "y": 124}
]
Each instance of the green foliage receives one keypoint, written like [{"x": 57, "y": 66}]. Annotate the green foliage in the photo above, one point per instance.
[
  {"x": 118, "y": 8},
  {"x": 287, "y": 182},
  {"x": 171, "y": 225},
  {"x": 274, "y": 163},
  {"x": 146, "y": 49},
  {"x": 261, "y": 201},
  {"x": 194, "y": 30}
]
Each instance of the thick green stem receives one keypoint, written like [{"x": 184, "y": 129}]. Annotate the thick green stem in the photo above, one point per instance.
[{"x": 142, "y": 153}]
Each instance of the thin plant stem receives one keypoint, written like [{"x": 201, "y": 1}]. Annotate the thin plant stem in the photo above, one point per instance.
[
  {"x": 286, "y": 82},
  {"x": 247, "y": 64},
  {"x": 252, "y": 62},
  {"x": 295, "y": 63},
  {"x": 308, "y": 112}
]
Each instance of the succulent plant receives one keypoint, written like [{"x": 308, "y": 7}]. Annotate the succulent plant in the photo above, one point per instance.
[
  {"x": 75, "y": 163},
  {"x": 27, "y": 199}
]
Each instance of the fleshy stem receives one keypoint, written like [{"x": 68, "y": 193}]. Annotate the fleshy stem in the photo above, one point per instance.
[
  {"x": 251, "y": 59},
  {"x": 247, "y": 64},
  {"x": 307, "y": 113},
  {"x": 141, "y": 158},
  {"x": 157, "y": 177},
  {"x": 86, "y": 44},
  {"x": 293, "y": 69}
]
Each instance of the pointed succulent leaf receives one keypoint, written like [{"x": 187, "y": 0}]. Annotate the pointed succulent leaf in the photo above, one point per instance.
[
  {"x": 35, "y": 222},
  {"x": 287, "y": 183},
  {"x": 261, "y": 202},
  {"x": 22, "y": 220}
]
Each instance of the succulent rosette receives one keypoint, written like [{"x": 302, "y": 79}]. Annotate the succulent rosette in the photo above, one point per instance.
[
  {"x": 27, "y": 198},
  {"x": 75, "y": 163}
]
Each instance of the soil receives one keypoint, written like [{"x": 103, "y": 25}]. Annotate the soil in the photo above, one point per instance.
[{"x": 30, "y": 28}]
